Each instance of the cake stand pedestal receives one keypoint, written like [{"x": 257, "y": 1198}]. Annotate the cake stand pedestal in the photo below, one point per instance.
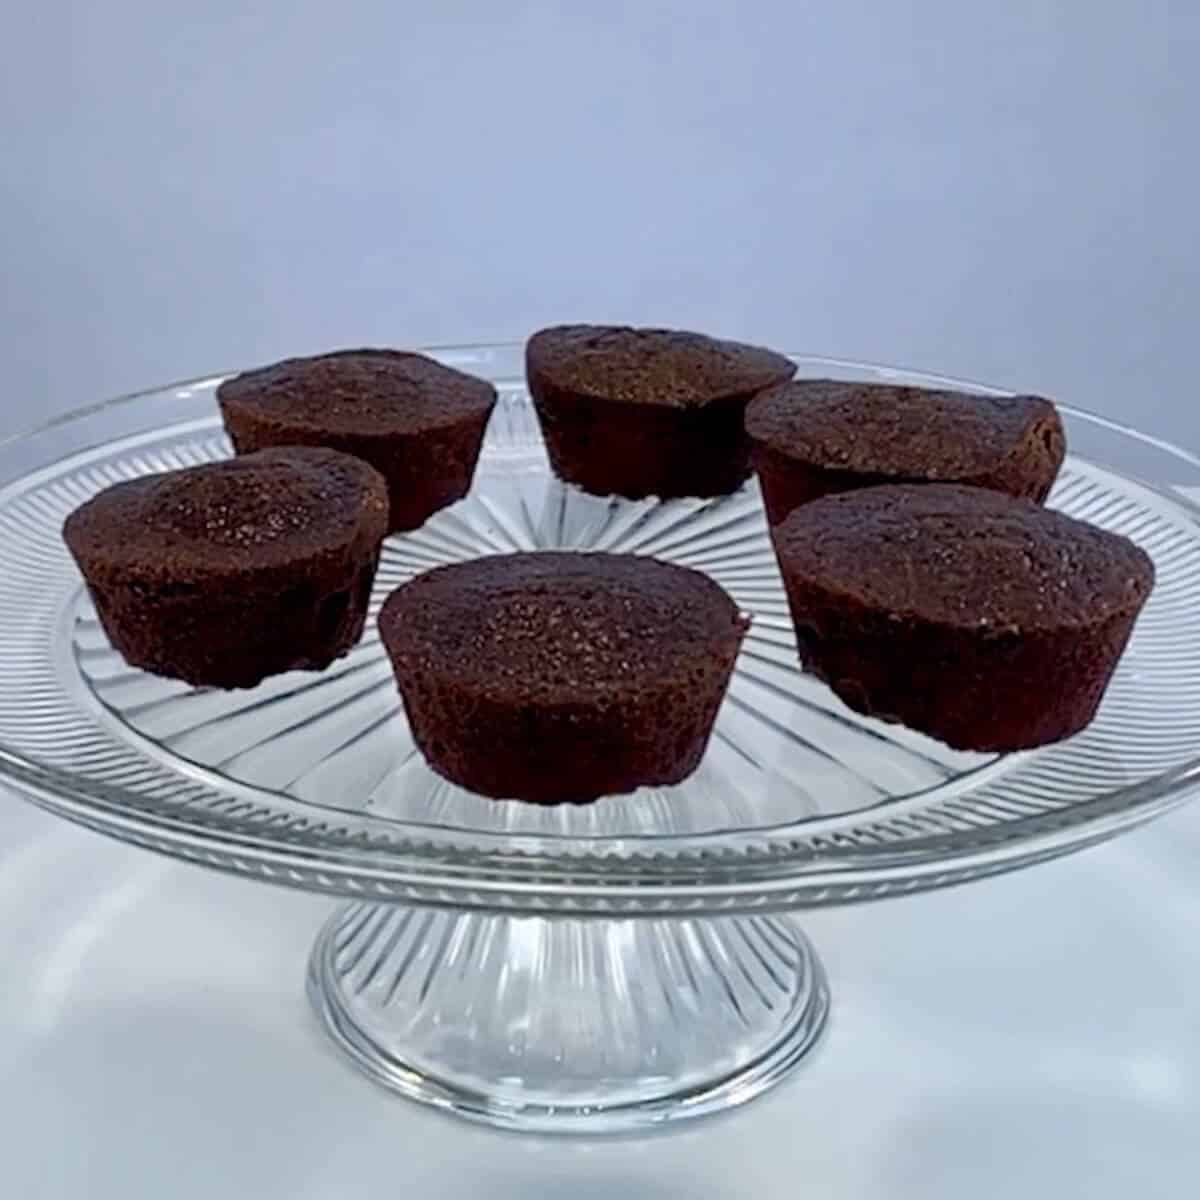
[{"x": 552, "y": 1024}]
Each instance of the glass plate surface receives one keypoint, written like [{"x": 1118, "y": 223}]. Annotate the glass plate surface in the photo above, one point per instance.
[{"x": 313, "y": 780}]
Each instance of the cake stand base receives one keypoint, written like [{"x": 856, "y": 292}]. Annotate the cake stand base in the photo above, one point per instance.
[{"x": 575, "y": 1026}]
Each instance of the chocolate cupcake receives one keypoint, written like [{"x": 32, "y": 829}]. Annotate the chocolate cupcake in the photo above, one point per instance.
[
  {"x": 986, "y": 621},
  {"x": 816, "y": 436},
  {"x": 418, "y": 423},
  {"x": 647, "y": 412},
  {"x": 561, "y": 677},
  {"x": 224, "y": 574}
]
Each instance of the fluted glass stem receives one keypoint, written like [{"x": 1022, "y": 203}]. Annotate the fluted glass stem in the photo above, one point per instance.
[{"x": 554, "y": 1024}]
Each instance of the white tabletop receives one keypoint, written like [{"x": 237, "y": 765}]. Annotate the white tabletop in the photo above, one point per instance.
[{"x": 1036, "y": 1035}]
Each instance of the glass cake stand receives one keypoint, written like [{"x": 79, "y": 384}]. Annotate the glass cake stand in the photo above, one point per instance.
[{"x": 590, "y": 968}]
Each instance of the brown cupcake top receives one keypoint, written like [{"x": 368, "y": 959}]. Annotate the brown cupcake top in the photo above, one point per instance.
[
  {"x": 359, "y": 392},
  {"x": 560, "y": 626},
  {"x": 963, "y": 557},
  {"x": 261, "y": 510},
  {"x": 651, "y": 366},
  {"x": 897, "y": 432}
]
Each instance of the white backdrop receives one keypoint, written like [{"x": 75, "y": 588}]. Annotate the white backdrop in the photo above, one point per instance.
[{"x": 1006, "y": 191}]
